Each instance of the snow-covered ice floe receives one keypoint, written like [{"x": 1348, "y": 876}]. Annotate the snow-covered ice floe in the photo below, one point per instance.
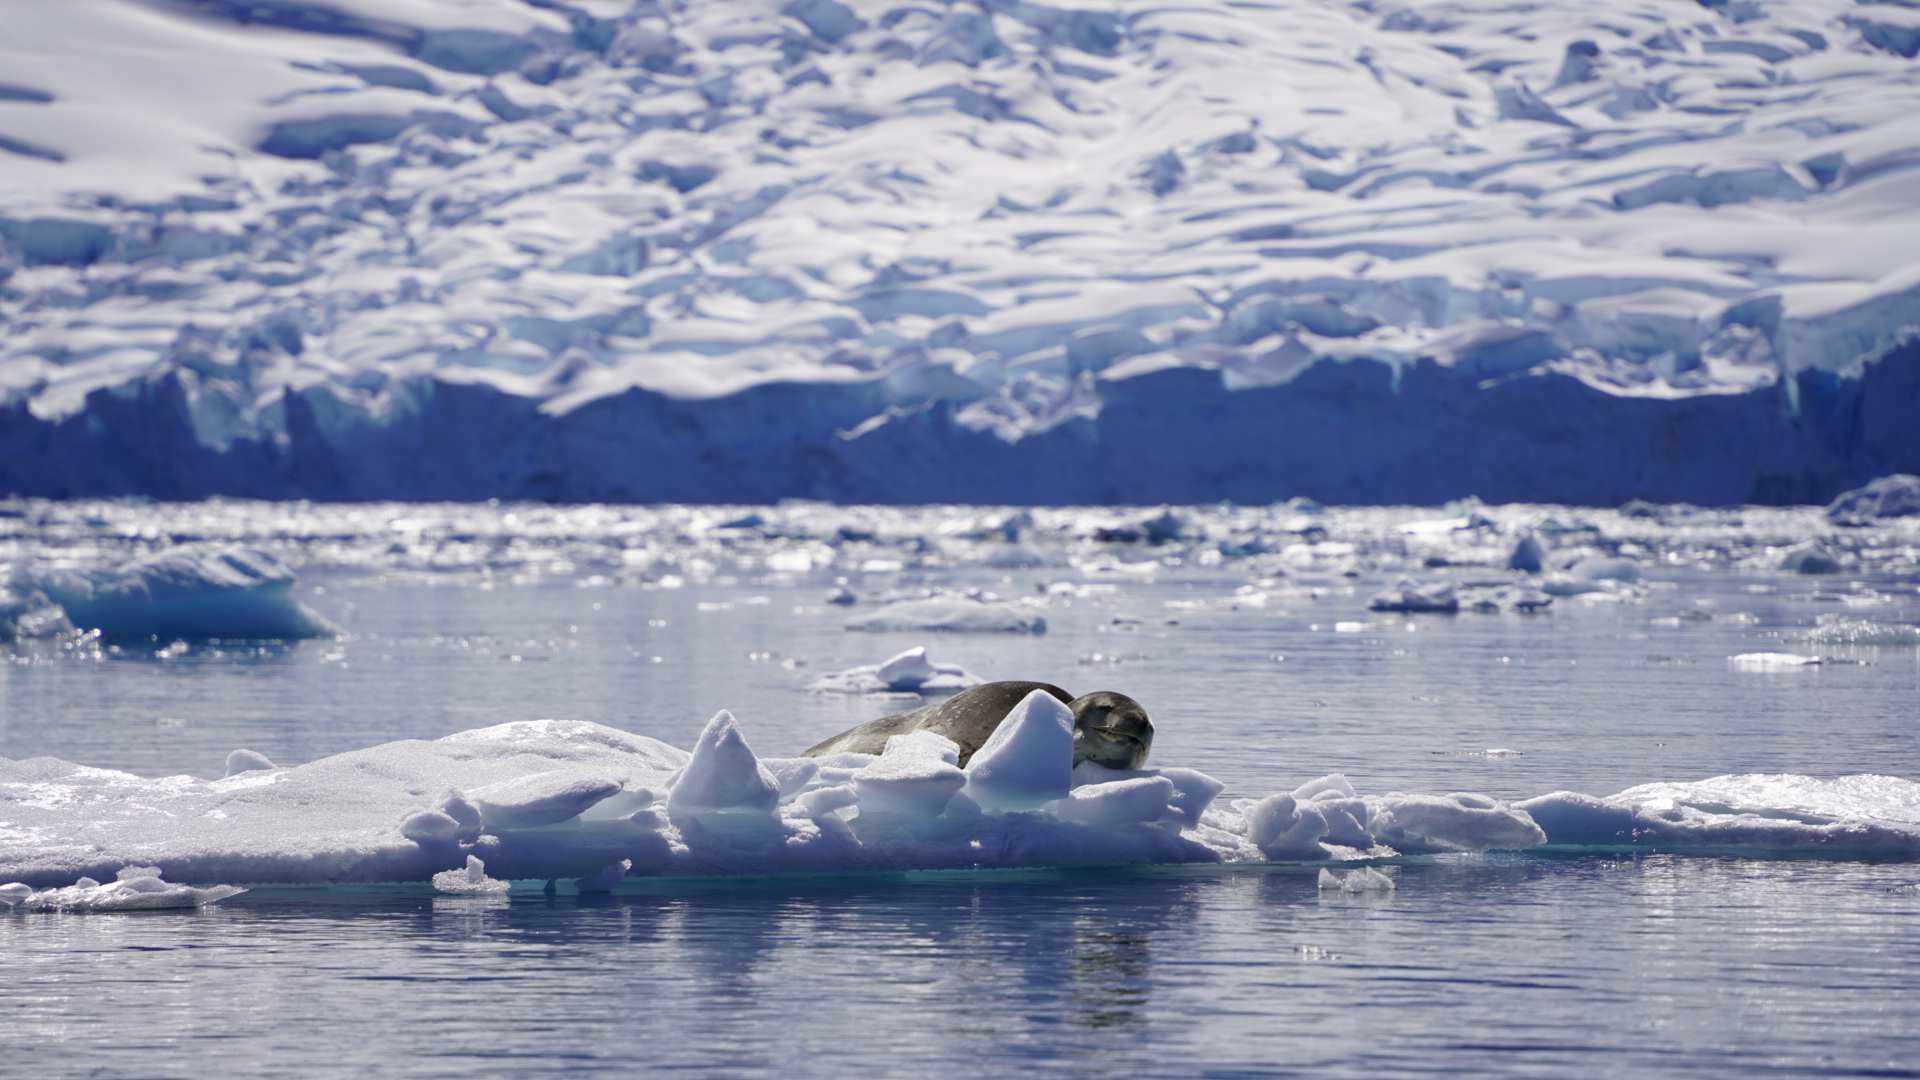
[
  {"x": 566, "y": 799},
  {"x": 855, "y": 249},
  {"x": 952, "y": 614},
  {"x": 909, "y": 672},
  {"x": 1777, "y": 813},
  {"x": 555, "y": 799}
]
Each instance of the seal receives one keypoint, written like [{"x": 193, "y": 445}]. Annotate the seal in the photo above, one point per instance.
[{"x": 1108, "y": 729}]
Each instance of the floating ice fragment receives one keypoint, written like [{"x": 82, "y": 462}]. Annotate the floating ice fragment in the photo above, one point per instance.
[
  {"x": 470, "y": 881},
  {"x": 723, "y": 774},
  {"x": 907, "y": 672},
  {"x": 1889, "y": 496},
  {"x": 1623, "y": 570},
  {"x": 1772, "y": 660},
  {"x": 1028, "y": 760},
  {"x": 1861, "y": 632},
  {"x": 134, "y": 888},
  {"x": 955, "y": 614},
  {"x": 1810, "y": 558},
  {"x": 243, "y": 761},
  {"x": 1365, "y": 879},
  {"x": 1412, "y": 595}
]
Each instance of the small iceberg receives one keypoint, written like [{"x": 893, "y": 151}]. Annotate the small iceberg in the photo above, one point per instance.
[
  {"x": 909, "y": 672},
  {"x": 193, "y": 591}
]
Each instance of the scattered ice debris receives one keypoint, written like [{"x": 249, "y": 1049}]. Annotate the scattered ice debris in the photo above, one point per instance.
[
  {"x": 1752, "y": 813},
  {"x": 246, "y": 761},
  {"x": 199, "y": 590},
  {"x": 1365, "y": 879},
  {"x": 1772, "y": 661},
  {"x": 1625, "y": 571},
  {"x": 472, "y": 880},
  {"x": 134, "y": 888},
  {"x": 1862, "y": 632},
  {"x": 957, "y": 614},
  {"x": 1411, "y": 596},
  {"x": 1888, "y": 497},
  {"x": 29, "y": 614},
  {"x": 909, "y": 672},
  {"x": 646, "y": 546}
]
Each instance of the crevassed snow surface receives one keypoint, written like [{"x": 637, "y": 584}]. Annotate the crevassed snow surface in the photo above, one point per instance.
[{"x": 871, "y": 251}]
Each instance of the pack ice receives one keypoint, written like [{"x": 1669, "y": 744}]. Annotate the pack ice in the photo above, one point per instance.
[
  {"x": 980, "y": 250},
  {"x": 553, "y": 799}
]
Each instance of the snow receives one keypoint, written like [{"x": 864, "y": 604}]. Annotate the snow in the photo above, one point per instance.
[
  {"x": 1028, "y": 760},
  {"x": 1023, "y": 252}
]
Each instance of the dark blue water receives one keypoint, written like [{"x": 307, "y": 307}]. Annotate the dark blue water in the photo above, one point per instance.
[{"x": 1475, "y": 966}]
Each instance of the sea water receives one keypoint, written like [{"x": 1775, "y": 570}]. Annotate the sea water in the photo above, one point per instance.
[{"x": 1520, "y": 964}]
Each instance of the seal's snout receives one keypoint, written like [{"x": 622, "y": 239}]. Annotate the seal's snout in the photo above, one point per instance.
[{"x": 1112, "y": 730}]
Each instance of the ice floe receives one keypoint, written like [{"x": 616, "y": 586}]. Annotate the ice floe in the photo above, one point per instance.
[
  {"x": 1755, "y": 814},
  {"x": 567, "y": 800},
  {"x": 909, "y": 672}
]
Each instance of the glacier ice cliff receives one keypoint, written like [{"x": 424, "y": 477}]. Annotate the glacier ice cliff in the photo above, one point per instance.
[{"x": 1383, "y": 251}]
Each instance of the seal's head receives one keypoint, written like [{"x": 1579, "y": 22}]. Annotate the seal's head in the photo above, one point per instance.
[{"x": 1112, "y": 730}]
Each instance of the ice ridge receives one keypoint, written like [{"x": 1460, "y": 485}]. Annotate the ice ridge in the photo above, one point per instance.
[{"x": 992, "y": 252}]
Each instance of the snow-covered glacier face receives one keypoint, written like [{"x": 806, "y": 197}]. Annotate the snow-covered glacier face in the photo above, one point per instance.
[{"x": 868, "y": 249}]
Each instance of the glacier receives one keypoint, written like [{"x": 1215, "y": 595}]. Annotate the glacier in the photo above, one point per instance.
[{"x": 907, "y": 251}]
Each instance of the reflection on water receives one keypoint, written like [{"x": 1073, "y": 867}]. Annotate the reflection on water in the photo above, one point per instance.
[{"x": 1476, "y": 966}]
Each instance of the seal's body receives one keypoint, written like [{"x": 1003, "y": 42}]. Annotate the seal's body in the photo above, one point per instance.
[{"x": 1108, "y": 729}]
